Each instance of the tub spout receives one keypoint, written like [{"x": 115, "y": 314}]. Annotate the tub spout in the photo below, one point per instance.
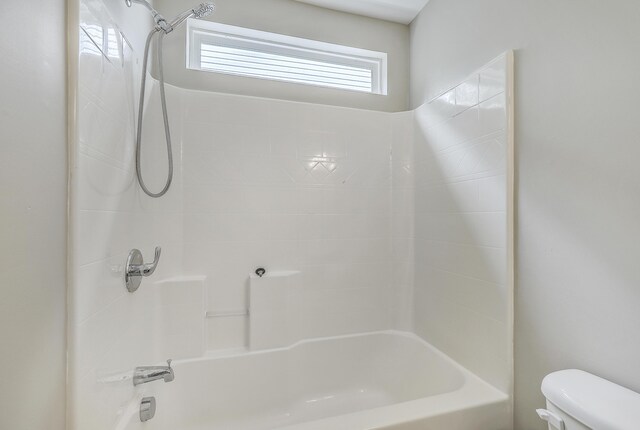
[{"x": 142, "y": 375}]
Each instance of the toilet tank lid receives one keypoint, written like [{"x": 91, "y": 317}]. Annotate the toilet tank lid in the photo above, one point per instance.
[{"x": 593, "y": 401}]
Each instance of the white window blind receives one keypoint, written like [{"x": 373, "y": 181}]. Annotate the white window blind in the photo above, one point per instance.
[{"x": 239, "y": 51}]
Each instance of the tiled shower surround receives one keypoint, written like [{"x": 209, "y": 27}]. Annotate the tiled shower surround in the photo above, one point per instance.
[
  {"x": 290, "y": 186},
  {"x": 463, "y": 281},
  {"x": 395, "y": 221},
  {"x": 110, "y": 330}
]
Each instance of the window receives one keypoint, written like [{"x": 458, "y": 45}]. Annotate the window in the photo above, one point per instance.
[{"x": 220, "y": 48}]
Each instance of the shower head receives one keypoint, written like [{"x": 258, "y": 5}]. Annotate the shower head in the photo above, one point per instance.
[{"x": 204, "y": 10}]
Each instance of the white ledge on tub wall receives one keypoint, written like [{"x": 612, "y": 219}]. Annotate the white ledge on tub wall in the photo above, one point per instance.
[{"x": 228, "y": 313}]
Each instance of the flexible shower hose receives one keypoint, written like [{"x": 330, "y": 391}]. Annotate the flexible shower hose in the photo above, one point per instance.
[{"x": 165, "y": 116}]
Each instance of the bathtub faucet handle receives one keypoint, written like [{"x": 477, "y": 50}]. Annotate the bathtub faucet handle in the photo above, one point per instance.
[
  {"x": 136, "y": 269},
  {"x": 148, "y": 269}
]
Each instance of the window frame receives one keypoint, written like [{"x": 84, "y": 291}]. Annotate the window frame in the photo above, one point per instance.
[{"x": 200, "y": 32}]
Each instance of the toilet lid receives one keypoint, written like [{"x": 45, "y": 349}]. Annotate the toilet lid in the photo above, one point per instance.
[{"x": 593, "y": 401}]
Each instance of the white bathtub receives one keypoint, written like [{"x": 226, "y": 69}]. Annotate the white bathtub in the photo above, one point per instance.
[{"x": 383, "y": 380}]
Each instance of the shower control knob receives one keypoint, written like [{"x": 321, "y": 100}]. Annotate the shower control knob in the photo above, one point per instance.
[
  {"x": 136, "y": 269},
  {"x": 260, "y": 272}
]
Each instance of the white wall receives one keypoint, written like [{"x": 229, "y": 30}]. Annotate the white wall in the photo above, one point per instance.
[
  {"x": 577, "y": 150},
  {"x": 301, "y": 20},
  {"x": 463, "y": 286},
  {"x": 291, "y": 186},
  {"x": 33, "y": 182}
]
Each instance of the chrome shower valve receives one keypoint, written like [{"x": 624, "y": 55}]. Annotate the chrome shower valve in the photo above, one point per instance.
[{"x": 135, "y": 268}]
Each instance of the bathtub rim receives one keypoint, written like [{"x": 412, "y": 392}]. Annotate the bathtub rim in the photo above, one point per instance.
[{"x": 473, "y": 392}]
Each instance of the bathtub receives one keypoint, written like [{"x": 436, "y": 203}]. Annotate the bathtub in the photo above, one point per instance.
[{"x": 381, "y": 380}]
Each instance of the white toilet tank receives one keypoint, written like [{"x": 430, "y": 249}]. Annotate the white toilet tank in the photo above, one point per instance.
[{"x": 578, "y": 400}]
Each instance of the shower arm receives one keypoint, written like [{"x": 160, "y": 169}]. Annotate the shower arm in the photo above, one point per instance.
[
  {"x": 180, "y": 19},
  {"x": 160, "y": 20},
  {"x": 162, "y": 24}
]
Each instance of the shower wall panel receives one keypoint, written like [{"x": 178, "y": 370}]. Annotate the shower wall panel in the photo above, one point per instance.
[
  {"x": 291, "y": 186},
  {"x": 403, "y": 219},
  {"x": 111, "y": 331},
  {"x": 463, "y": 255}
]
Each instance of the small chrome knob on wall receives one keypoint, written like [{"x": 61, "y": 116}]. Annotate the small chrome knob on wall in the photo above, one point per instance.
[
  {"x": 260, "y": 272},
  {"x": 147, "y": 408},
  {"x": 135, "y": 269}
]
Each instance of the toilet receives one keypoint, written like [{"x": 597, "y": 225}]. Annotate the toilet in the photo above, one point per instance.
[{"x": 577, "y": 400}]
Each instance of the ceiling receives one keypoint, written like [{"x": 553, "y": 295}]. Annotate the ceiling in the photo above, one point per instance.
[{"x": 402, "y": 11}]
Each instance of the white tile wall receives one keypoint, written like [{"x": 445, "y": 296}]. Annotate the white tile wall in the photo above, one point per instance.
[
  {"x": 111, "y": 330},
  {"x": 293, "y": 186},
  {"x": 462, "y": 288},
  {"x": 403, "y": 220}
]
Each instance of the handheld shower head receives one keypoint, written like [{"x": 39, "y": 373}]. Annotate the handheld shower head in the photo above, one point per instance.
[
  {"x": 161, "y": 29},
  {"x": 205, "y": 9}
]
